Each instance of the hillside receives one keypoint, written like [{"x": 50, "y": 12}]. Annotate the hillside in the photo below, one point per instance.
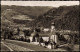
[
  {"x": 20, "y": 14},
  {"x": 32, "y": 11},
  {"x": 65, "y": 18}
]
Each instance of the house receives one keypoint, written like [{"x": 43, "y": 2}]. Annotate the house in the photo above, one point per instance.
[
  {"x": 46, "y": 29},
  {"x": 45, "y": 38}
]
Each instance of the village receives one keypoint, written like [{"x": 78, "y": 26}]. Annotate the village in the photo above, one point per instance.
[{"x": 47, "y": 38}]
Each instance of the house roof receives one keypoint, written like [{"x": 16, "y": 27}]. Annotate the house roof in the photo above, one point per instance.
[{"x": 60, "y": 32}]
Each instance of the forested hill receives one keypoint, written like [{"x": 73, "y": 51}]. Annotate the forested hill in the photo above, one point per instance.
[{"x": 65, "y": 17}]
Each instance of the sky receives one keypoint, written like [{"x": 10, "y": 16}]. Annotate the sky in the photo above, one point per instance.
[{"x": 40, "y": 3}]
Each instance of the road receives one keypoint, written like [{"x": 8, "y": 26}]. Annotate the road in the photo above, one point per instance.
[
  {"x": 24, "y": 46},
  {"x": 3, "y": 47}
]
